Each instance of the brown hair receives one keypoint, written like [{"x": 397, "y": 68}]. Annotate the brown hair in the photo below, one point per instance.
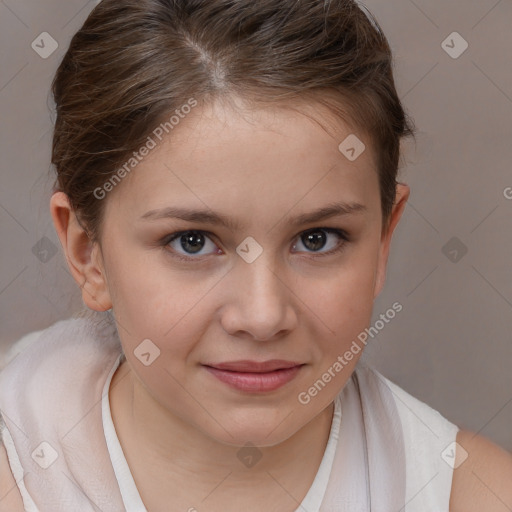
[{"x": 134, "y": 62}]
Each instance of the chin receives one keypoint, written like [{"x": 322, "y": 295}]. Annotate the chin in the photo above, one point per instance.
[{"x": 262, "y": 434}]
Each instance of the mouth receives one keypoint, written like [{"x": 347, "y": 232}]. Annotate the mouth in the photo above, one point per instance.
[
  {"x": 253, "y": 376},
  {"x": 255, "y": 366}
]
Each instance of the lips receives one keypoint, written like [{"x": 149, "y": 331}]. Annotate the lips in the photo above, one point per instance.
[
  {"x": 255, "y": 366},
  {"x": 254, "y": 376}
]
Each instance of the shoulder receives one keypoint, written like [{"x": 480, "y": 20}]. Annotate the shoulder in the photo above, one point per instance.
[
  {"x": 482, "y": 480},
  {"x": 19, "y": 346},
  {"x": 10, "y": 497}
]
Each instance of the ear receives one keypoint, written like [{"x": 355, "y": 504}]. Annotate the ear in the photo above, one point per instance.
[
  {"x": 83, "y": 256},
  {"x": 402, "y": 195}
]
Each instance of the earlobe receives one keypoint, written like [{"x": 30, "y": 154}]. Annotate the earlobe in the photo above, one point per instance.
[
  {"x": 82, "y": 255},
  {"x": 402, "y": 195}
]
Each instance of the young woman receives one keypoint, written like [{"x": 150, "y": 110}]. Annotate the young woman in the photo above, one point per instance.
[{"x": 226, "y": 196}]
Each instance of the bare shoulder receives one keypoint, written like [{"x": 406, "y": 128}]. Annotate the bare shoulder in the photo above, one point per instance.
[
  {"x": 482, "y": 481},
  {"x": 10, "y": 497}
]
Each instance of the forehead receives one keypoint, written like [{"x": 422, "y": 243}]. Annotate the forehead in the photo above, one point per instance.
[{"x": 249, "y": 158}]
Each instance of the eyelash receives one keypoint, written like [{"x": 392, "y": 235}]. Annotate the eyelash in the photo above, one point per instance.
[{"x": 173, "y": 236}]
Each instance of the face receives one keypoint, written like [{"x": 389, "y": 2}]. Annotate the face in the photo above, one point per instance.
[{"x": 275, "y": 280}]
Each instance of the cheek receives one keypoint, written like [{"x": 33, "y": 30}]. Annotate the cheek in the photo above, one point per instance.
[
  {"x": 152, "y": 301},
  {"x": 344, "y": 301}
]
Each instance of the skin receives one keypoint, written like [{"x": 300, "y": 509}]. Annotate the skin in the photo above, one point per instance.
[{"x": 261, "y": 168}]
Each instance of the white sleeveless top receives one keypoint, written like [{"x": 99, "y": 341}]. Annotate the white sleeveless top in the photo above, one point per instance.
[{"x": 386, "y": 450}]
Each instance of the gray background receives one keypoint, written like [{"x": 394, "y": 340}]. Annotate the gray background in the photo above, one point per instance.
[{"x": 451, "y": 345}]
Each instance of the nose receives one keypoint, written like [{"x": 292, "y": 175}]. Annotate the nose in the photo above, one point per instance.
[{"x": 259, "y": 304}]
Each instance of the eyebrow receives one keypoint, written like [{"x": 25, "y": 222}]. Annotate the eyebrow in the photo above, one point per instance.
[{"x": 211, "y": 217}]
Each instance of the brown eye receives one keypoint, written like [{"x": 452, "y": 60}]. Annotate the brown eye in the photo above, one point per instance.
[
  {"x": 318, "y": 238},
  {"x": 314, "y": 240},
  {"x": 190, "y": 243}
]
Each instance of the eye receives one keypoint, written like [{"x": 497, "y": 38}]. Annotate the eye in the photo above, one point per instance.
[
  {"x": 191, "y": 242},
  {"x": 317, "y": 238},
  {"x": 186, "y": 245}
]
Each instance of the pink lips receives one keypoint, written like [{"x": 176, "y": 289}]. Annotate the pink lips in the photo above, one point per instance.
[{"x": 253, "y": 376}]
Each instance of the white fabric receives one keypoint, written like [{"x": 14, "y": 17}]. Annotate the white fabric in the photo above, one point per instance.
[
  {"x": 383, "y": 453},
  {"x": 129, "y": 493},
  {"x": 18, "y": 347},
  {"x": 427, "y": 434}
]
